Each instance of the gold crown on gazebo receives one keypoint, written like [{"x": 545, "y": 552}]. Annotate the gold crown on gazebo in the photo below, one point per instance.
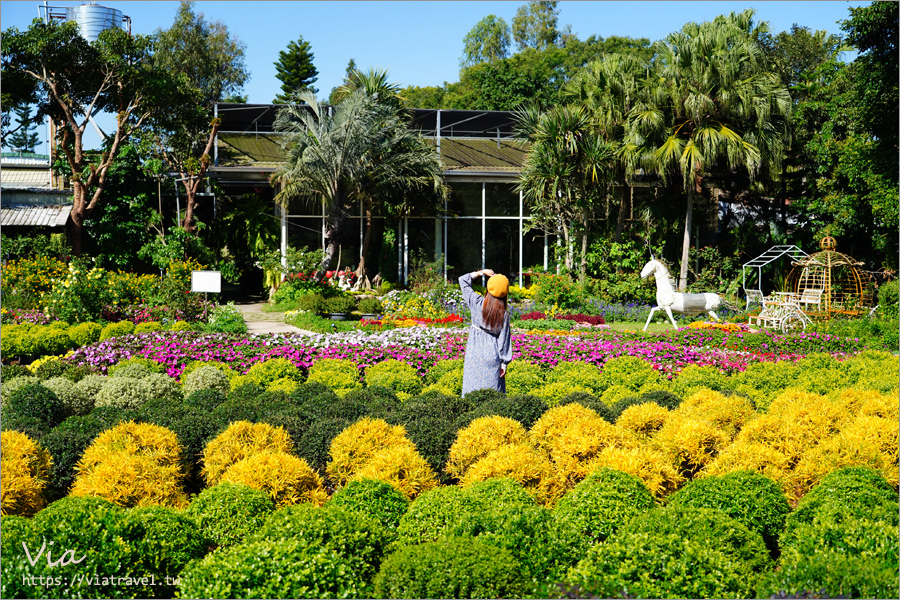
[{"x": 828, "y": 243}]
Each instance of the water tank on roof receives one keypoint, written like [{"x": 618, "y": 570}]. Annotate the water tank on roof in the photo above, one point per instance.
[{"x": 93, "y": 18}]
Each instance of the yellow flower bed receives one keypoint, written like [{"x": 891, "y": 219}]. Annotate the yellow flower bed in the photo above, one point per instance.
[{"x": 730, "y": 327}]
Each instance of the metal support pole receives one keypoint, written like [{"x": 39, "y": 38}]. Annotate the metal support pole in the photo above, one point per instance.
[
  {"x": 284, "y": 241},
  {"x": 483, "y": 225},
  {"x": 521, "y": 236}
]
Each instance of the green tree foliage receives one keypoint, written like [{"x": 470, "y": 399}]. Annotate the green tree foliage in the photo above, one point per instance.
[
  {"x": 209, "y": 55},
  {"x": 534, "y": 25},
  {"x": 295, "y": 69},
  {"x": 710, "y": 107},
  {"x": 429, "y": 96},
  {"x": 23, "y": 139},
  {"x": 506, "y": 84},
  {"x": 488, "y": 41},
  {"x": 70, "y": 80}
]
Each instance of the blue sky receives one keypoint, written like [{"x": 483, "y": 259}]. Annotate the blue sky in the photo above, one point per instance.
[{"x": 420, "y": 43}]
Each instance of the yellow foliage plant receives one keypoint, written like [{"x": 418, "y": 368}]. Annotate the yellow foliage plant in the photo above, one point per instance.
[
  {"x": 287, "y": 478},
  {"x": 690, "y": 443},
  {"x": 649, "y": 465},
  {"x": 644, "y": 419},
  {"x": 480, "y": 438},
  {"x": 133, "y": 464},
  {"x": 402, "y": 467},
  {"x": 25, "y": 467},
  {"x": 241, "y": 440},
  {"x": 356, "y": 445},
  {"x": 521, "y": 463},
  {"x": 728, "y": 413}
]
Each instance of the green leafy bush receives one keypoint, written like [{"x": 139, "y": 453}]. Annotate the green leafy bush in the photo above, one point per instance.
[
  {"x": 478, "y": 397},
  {"x": 59, "y": 368},
  {"x": 116, "y": 329},
  {"x": 340, "y": 304},
  {"x": 377, "y": 399},
  {"x": 889, "y": 296},
  {"x": 129, "y": 368},
  {"x": 227, "y": 513},
  {"x": 226, "y": 318},
  {"x": 50, "y": 341},
  {"x": 313, "y": 303},
  {"x": 91, "y": 384},
  {"x": 589, "y": 401},
  {"x": 431, "y": 514},
  {"x": 10, "y": 372},
  {"x": 578, "y": 374},
  {"x": 524, "y": 408},
  {"x": 370, "y": 306},
  {"x": 359, "y": 540},
  {"x": 394, "y": 375},
  {"x": 35, "y": 400},
  {"x": 161, "y": 386},
  {"x": 147, "y": 327},
  {"x": 206, "y": 378},
  {"x": 749, "y": 498},
  {"x": 455, "y": 568},
  {"x": 122, "y": 392},
  {"x": 441, "y": 368},
  {"x": 631, "y": 372},
  {"x": 316, "y": 442},
  {"x": 373, "y": 498},
  {"x": 66, "y": 443},
  {"x": 267, "y": 371},
  {"x": 557, "y": 290},
  {"x": 603, "y": 502},
  {"x": 433, "y": 437},
  {"x": 522, "y": 377},
  {"x": 675, "y": 552},
  {"x": 75, "y": 401},
  {"x": 10, "y": 387},
  {"x": 246, "y": 571},
  {"x": 83, "y": 334},
  {"x": 206, "y": 399}
]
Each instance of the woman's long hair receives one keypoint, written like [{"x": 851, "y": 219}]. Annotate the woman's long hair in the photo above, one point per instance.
[{"x": 492, "y": 312}]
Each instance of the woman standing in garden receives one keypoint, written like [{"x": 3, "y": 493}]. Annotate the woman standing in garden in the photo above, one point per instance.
[{"x": 488, "y": 350}]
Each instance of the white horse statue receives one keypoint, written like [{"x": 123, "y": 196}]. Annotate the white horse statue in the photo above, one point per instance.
[{"x": 668, "y": 299}]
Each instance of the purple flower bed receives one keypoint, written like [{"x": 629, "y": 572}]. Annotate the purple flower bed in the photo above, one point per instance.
[{"x": 669, "y": 356}]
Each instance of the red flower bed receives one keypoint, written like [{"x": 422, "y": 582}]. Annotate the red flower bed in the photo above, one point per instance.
[{"x": 579, "y": 318}]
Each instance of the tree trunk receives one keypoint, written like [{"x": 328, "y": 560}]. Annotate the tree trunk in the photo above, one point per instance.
[
  {"x": 620, "y": 221},
  {"x": 192, "y": 182},
  {"x": 361, "y": 275},
  {"x": 334, "y": 228},
  {"x": 686, "y": 243},
  {"x": 584, "y": 248},
  {"x": 78, "y": 215}
]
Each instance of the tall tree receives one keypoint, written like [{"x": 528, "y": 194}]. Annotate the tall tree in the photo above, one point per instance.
[
  {"x": 24, "y": 139},
  {"x": 710, "y": 107},
  {"x": 75, "y": 80},
  {"x": 567, "y": 169},
  {"x": 488, "y": 41},
  {"x": 295, "y": 69},
  {"x": 534, "y": 25},
  {"x": 210, "y": 61},
  {"x": 209, "y": 55},
  {"x": 362, "y": 148}
]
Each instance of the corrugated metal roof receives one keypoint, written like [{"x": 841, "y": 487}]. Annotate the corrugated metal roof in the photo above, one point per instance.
[
  {"x": 8, "y": 160},
  {"x": 13, "y": 178},
  {"x": 457, "y": 154},
  {"x": 34, "y": 216}
]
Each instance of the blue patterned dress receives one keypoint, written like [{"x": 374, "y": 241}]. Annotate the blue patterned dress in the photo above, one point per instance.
[{"x": 485, "y": 350}]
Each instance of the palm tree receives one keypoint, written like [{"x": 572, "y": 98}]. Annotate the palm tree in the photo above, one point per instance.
[
  {"x": 709, "y": 107},
  {"x": 364, "y": 151},
  {"x": 567, "y": 168}
]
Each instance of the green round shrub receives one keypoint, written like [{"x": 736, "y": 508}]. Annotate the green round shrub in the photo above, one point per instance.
[
  {"x": 394, "y": 375},
  {"x": 236, "y": 408},
  {"x": 340, "y": 375},
  {"x": 66, "y": 443},
  {"x": 696, "y": 377},
  {"x": 122, "y": 392},
  {"x": 436, "y": 405},
  {"x": 163, "y": 542},
  {"x": 856, "y": 491},
  {"x": 72, "y": 397},
  {"x": 631, "y": 372},
  {"x": 889, "y": 296},
  {"x": 373, "y": 498},
  {"x": 271, "y": 569},
  {"x": 355, "y": 537},
  {"x": 433, "y": 437},
  {"x": 134, "y": 370},
  {"x": 309, "y": 390},
  {"x": 150, "y": 364},
  {"x": 33, "y": 427},
  {"x": 163, "y": 387},
  {"x": 10, "y": 387},
  {"x": 589, "y": 401},
  {"x": 247, "y": 391},
  {"x": 38, "y": 402},
  {"x": 665, "y": 399},
  {"x": 380, "y": 401},
  {"x": 227, "y": 513},
  {"x": 455, "y": 568},
  {"x": 524, "y": 408},
  {"x": 675, "y": 552},
  {"x": 522, "y": 377},
  {"x": 603, "y": 502},
  {"x": 478, "y": 397},
  {"x": 84, "y": 334},
  {"x": 316, "y": 442},
  {"x": 56, "y": 367},
  {"x": 431, "y": 514},
  {"x": 326, "y": 406},
  {"x": 205, "y": 399},
  {"x": 92, "y": 528},
  {"x": 273, "y": 369},
  {"x": 147, "y": 327},
  {"x": 15, "y": 568},
  {"x": 206, "y": 378},
  {"x": 116, "y": 329},
  {"x": 181, "y": 326},
  {"x": 499, "y": 493},
  {"x": 10, "y": 372},
  {"x": 91, "y": 384},
  {"x": 747, "y": 497},
  {"x": 291, "y": 419},
  {"x": 51, "y": 340}
]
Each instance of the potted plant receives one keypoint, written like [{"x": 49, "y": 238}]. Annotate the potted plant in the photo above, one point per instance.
[
  {"x": 370, "y": 308},
  {"x": 339, "y": 307}
]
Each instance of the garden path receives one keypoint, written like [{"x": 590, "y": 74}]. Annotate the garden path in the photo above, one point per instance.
[{"x": 263, "y": 322}]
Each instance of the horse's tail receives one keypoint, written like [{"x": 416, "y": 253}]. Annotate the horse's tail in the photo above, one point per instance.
[{"x": 729, "y": 305}]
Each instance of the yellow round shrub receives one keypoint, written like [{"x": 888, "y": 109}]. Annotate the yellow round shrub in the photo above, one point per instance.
[
  {"x": 552, "y": 393},
  {"x": 24, "y": 474},
  {"x": 651, "y": 466},
  {"x": 285, "y": 384},
  {"x": 643, "y": 419},
  {"x": 480, "y": 438},
  {"x": 133, "y": 464},
  {"x": 728, "y": 413},
  {"x": 341, "y": 375},
  {"x": 288, "y": 479},
  {"x": 356, "y": 445},
  {"x": 690, "y": 443},
  {"x": 759, "y": 457},
  {"x": 241, "y": 440},
  {"x": 571, "y": 436},
  {"x": 521, "y": 463},
  {"x": 402, "y": 467}
]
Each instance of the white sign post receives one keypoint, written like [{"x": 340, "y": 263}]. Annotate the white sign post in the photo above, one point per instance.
[{"x": 208, "y": 282}]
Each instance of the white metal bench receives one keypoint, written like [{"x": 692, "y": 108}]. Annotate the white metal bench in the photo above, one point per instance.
[
  {"x": 811, "y": 296},
  {"x": 753, "y": 296}
]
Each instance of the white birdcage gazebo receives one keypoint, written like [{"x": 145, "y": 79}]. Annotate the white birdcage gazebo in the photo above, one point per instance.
[
  {"x": 842, "y": 286},
  {"x": 768, "y": 257}
]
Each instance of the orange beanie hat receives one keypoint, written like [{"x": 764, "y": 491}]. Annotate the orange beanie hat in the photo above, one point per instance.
[{"x": 498, "y": 286}]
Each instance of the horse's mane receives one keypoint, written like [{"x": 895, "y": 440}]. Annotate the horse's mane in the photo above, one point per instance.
[{"x": 668, "y": 271}]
